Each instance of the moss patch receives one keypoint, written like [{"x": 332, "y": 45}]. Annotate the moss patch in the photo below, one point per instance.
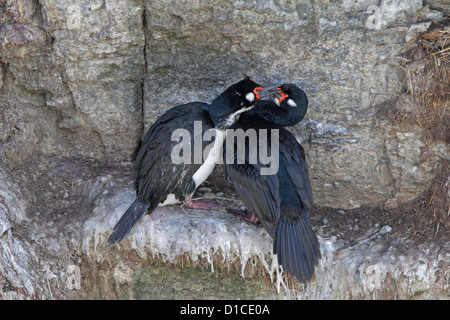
[{"x": 167, "y": 282}]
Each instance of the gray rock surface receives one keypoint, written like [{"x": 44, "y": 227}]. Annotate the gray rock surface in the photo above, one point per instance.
[
  {"x": 80, "y": 82},
  {"x": 103, "y": 69},
  {"x": 19, "y": 273}
]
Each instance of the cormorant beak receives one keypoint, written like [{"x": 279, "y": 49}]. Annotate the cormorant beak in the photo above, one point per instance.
[{"x": 266, "y": 92}]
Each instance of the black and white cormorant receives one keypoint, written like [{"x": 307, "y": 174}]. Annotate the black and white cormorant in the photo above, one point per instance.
[
  {"x": 282, "y": 202},
  {"x": 160, "y": 181}
]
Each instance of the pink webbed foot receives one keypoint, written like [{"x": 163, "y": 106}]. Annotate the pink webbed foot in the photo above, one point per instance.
[
  {"x": 197, "y": 204},
  {"x": 246, "y": 215}
]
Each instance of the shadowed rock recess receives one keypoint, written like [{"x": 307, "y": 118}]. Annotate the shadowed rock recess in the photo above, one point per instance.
[{"x": 81, "y": 82}]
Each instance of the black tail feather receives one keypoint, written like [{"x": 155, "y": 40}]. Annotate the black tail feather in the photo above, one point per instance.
[
  {"x": 297, "y": 248},
  {"x": 126, "y": 223}
]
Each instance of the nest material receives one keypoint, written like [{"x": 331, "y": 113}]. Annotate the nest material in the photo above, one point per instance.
[
  {"x": 426, "y": 100},
  {"x": 428, "y": 82},
  {"x": 429, "y": 86},
  {"x": 436, "y": 44},
  {"x": 426, "y": 103}
]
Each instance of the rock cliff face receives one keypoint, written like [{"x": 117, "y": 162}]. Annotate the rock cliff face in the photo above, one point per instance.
[{"x": 83, "y": 80}]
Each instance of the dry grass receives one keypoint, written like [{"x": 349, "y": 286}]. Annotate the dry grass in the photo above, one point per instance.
[
  {"x": 428, "y": 217},
  {"x": 428, "y": 83},
  {"x": 426, "y": 101},
  {"x": 428, "y": 86}
]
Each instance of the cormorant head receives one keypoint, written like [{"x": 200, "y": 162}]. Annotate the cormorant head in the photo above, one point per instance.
[
  {"x": 239, "y": 97},
  {"x": 290, "y": 97},
  {"x": 286, "y": 108}
]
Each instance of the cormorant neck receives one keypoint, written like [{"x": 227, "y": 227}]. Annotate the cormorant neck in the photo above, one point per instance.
[
  {"x": 219, "y": 108},
  {"x": 270, "y": 111}
]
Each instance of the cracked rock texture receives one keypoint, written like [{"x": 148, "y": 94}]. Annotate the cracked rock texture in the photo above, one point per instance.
[{"x": 81, "y": 81}]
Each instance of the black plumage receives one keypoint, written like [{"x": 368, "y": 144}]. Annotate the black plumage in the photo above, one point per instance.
[
  {"x": 281, "y": 201},
  {"x": 158, "y": 179}
]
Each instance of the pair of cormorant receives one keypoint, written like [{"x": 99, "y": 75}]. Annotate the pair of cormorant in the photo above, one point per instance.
[{"x": 282, "y": 201}]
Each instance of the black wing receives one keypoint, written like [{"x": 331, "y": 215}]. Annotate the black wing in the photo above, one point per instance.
[
  {"x": 294, "y": 160},
  {"x": 296, "y": 246},
  {"x": 157, "y": 175},
  {"x": 260, "y": 193}
]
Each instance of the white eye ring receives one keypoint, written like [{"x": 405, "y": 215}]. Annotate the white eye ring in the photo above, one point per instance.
[
  {"x": 291, "y": 103},
  {"x": 250, "y": 96}
]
